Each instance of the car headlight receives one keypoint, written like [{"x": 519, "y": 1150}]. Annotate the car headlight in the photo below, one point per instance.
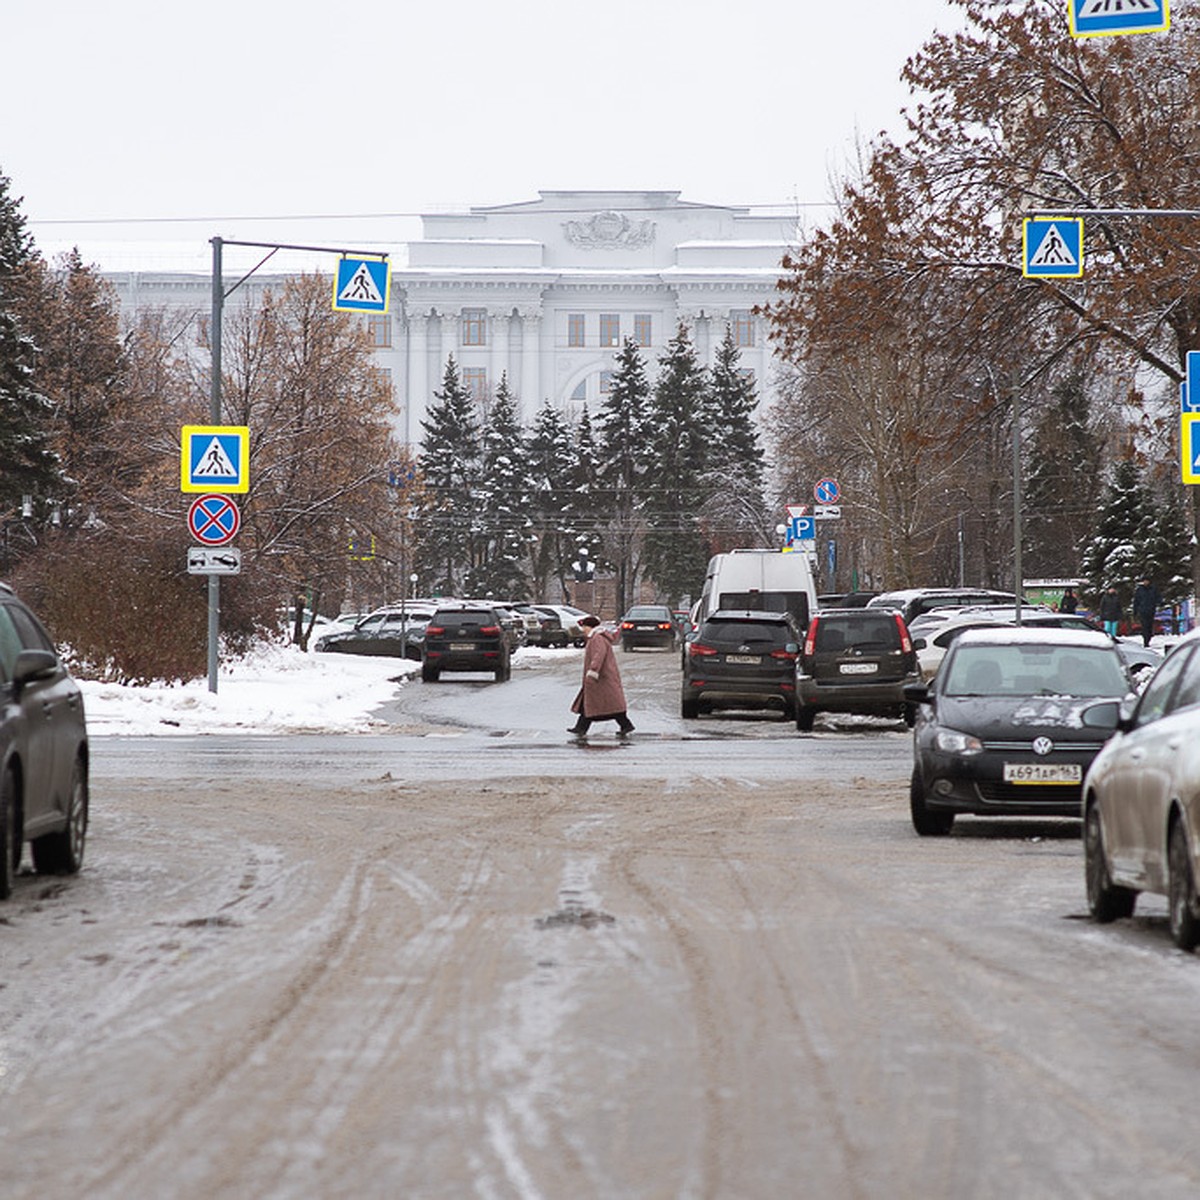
[{"x": 952, "y": 741}]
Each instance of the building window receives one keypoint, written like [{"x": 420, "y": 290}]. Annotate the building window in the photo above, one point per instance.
[
  {"x": 743, "y": 327},
  {"x": 610, "y": 329},
  {"x": 474, "y": 326},
  {"x": 579, "y": 395},
  {"x": 575, "y": 329},
  {"x": 379, "y": 330},
  {"x": 606, "y": 378},
  {"x": 643, "y": 326},
  {"x": 475, "y": 381}
]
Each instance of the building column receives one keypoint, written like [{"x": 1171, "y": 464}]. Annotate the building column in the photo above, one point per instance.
[
  {"x": 531, "y": 327},
  {"x": 499, "y": 330},
  {"x": 417, "y": 397},
  {"x": 448, "y": 344}
]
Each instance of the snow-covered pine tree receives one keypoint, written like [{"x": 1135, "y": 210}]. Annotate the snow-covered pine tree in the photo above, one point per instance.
[
  {"x": 733, "y": 511},
  {"x": 680, "y": 441},
  {"x": 624, "y": 462},
  {"x": 450, "y": 464},
  {"x": 1113, "y": 556},
  {"x": 28, "y": 464},
  {"x": 550, "y": 459},
  {"x": 504, "y": 498}
]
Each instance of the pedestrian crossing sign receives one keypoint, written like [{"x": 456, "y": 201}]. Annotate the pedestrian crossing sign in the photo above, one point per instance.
[
  {"x": 1053, "y": 248},
  {"x": 362, "y": 285},
  {"x": 215, "y": 458},
  {"x": 1189, "y": 446},
  {"x": 1092, "y": 18}
]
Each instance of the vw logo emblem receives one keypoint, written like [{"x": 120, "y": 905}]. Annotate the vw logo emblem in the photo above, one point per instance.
[{"x": 1042, "y": 745}]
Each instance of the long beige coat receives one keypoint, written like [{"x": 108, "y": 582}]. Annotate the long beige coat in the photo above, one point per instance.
[{"x": 604, "y": 696}]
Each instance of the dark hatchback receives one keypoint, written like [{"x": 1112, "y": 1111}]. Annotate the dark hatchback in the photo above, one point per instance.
[
  {"x": 855, "y": 660},
  {"x": 390, "y": 633},
  {"x": 740, "y": 659},
  {"x": 43, "y": 750},
  {"x": 648, "y": 625},
  {"x": 466, "y": 638},
  {"x": 1000, "y": 731}
]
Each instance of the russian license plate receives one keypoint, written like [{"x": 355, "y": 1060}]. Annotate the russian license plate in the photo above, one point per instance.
[
  {"x": 749, "y": 660},
  {"x": 462, "y": 646},
  {"x": 859, "y": 668},
  {"x": 1043, "y": 773}
]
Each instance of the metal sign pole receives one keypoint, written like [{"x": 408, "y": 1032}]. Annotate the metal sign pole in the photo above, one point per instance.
[{"x": 214, "y": 582}]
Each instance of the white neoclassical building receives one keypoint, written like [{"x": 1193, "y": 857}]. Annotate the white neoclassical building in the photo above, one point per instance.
[{"x": 546, "y": 291}]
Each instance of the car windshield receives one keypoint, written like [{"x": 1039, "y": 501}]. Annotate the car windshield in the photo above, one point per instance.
[{"x": 1035, "y": 670}]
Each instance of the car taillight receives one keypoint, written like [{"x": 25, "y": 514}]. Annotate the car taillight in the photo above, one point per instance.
[
  {"x": 664, "y": 624},
  {"x": 434, "y": 630},
  {"x": 490, "y": 630},
  {"x": 810, "y": 639},
  {"x": 790, "y": 654},
  {"x": 905, "y": 640},
  {"x": 700, "y": 650},
  {"x": 626, "y": 624}
]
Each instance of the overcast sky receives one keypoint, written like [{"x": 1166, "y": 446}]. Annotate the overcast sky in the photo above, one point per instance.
[{"x": 210, "y": 114}]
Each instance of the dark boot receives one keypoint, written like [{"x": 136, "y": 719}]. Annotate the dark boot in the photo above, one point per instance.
[
  {"x": 624, "y": 725},
  {"x": 580, "y": 727}
]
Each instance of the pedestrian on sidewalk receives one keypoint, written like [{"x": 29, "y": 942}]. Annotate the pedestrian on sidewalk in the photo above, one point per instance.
[
  {"x": 1146, "y": 603},
  {"x": 1111, "y": 611},
  {"x": 601, "y": 697}
]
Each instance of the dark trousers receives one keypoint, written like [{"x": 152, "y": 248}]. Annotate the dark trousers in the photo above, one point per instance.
[
  {"x": 1147, "y": 620},
  {"x": 583, "y": 724}
]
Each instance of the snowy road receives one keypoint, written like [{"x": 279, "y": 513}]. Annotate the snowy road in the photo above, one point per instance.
[{"x": 466, "y": 957}]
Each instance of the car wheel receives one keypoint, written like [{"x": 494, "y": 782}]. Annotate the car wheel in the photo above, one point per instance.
[
  {"x": 504, "y": 673},
  {"x": 8, "y": 833},
  {"x": 909, "y": 714},
  {"x": 1106, "y": 901},
  {"x": 804, "y": 718},
  {"x": 430, "y": 674},
  {"x": 689, "y": 709},
  {"x": 62, "y": 853},
  {"x": 1181, "y": 891},
  {"x": 926, "y": 822}
]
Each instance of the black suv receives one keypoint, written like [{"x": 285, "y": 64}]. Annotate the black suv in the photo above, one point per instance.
[
  {"x": 855, "y": 660},
  {"x": 740, "y": 659},
  {"x": 466, "y": 637},
  {"x": 43, "y": 750}
]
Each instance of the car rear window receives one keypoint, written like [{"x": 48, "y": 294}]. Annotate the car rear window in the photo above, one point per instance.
[
  {"x": 646, "y": 613},
  {"x": 866, "y": 633},
  {"x": 736, "y": 632},
  {"x": 1035, "y": 670},
  {"x": 460, "y": 617}
]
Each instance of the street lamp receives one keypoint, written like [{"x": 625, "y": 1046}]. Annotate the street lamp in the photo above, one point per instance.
[{"x": 413, "y": 580}]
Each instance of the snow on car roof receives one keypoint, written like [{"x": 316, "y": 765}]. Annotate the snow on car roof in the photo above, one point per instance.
[{"x": 1007, "y": 635}]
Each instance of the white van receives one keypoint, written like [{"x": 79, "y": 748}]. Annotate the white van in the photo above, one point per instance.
[{"x": 760, "y": 581}]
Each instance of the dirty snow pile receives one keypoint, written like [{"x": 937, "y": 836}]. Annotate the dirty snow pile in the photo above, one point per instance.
[{"x": 274, "y": 689}]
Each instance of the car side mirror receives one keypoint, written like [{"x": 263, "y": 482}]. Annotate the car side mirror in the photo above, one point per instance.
[
  {"x": 34, "y": 664},
  {"x": 1104, "y": 714},
  {"x": 917, "y": 693},
  {"x": 919, "y": 643}
]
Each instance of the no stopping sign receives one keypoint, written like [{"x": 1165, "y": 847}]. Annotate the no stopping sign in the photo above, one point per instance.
[{"x": 214, "y": 520}]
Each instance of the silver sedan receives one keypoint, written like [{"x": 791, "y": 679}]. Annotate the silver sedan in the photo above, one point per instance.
[{"x": 1141, "y": 800}]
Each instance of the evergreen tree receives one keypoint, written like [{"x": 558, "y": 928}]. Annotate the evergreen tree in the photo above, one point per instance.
[
  {"x": 624, "y": 462},
  {"x": 1060, "y": 499},
  {"x": 733, "y": 511},
  {"x": 586, "y": 510},
  {"x": 28, "y": 463},
  {"x": 1114, "y": 555},
  {"x": 550, "y": 458},
  {"x": 676, "y": 554},
  {"x": 1167, "y": 550},
  {"x": 450, "y": 464},
  {"x": 503, "y": 503}
]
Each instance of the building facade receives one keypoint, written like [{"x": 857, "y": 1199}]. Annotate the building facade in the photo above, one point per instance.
[{"x": 545, "y": 293}]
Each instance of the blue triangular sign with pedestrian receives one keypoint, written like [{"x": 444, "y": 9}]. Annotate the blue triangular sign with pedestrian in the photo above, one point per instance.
[{"x": 1053, "y": 247}]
